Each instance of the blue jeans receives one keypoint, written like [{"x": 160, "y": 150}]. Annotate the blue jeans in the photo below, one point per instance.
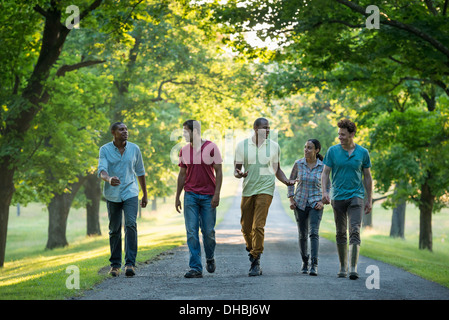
[
  {"x": 129, "y": 207},
  {"x": 308, "y": 221},
  {"x": 198, "y": 213}
]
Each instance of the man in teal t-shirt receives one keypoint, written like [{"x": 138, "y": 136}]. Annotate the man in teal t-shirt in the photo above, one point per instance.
[{"x": 350, "y": 166}]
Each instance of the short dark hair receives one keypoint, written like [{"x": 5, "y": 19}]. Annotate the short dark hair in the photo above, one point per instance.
[
  {"x": 115, "y": 125},
  {"x": 347, "y": 124},
  {"x": 192, "y": 124},
  {"x": 259, "y": 121}
]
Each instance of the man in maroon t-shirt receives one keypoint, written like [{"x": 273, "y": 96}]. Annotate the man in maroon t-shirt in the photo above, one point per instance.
[{"x": 198, "y": 161}]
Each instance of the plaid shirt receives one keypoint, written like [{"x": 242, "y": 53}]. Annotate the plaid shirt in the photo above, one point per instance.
[{"x": 308, "y": 189}]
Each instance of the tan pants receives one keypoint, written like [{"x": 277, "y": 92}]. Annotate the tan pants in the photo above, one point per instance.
[{"x": 254, "y": 215}]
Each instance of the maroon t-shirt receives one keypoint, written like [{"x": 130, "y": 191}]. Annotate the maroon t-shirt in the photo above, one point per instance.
[{"x": 200, "y": 177}]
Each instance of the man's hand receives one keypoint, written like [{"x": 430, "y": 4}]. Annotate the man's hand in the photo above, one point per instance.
[
  {"x": 325, "y": 198},
  {"x": 368, "y": 206},
  {"x": 178, "y": 205},
  {"x": 114, "y": 181},
  {"x": 240, "y": 173},
  {"x": 144, "y": 202},
  {"x": 215, "y": 201}
]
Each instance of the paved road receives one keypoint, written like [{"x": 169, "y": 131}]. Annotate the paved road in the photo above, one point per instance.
[{"x": 162, "y": 279}]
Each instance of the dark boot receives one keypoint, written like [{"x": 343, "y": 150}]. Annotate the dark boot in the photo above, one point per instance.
[
  {"x": 255, "y": 269},
  {"x": 342, "y": 250},
  {"x": 305, "y": 264},
  {"x": 353, "y": 258},
  {"x": 314, "y": 267}
]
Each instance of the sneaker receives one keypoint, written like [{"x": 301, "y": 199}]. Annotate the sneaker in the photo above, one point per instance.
[
  {"x": 210, "y": 265},
  {"x": 129, "y": 271},
  {"x": 115, "y": 272},
  {"x": 193, "y": 274}
]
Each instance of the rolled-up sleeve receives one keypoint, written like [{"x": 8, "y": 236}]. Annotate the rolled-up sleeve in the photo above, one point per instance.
[
  {"x": 139, "y": 169},
  {"x": 293, "y": 176},
  {"x": 102, "y": 162}
]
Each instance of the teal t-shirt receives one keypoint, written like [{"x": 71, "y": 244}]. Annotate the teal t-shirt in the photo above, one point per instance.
[{"x": 346, "y": 171}]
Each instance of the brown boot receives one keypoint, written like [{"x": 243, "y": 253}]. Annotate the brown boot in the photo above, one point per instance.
[{"x": 115, "y": 272}]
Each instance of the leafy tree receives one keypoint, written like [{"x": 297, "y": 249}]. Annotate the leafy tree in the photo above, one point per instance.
[
  {"x": 325, "y": 42},
  {"x": 34, "y": 35}
]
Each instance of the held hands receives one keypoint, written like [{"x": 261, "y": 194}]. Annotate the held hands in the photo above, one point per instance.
[
  {"x": 239, "y": 174},
  {"x": 290, "y": 182}
]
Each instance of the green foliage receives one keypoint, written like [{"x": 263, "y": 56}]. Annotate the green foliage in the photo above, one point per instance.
[{"x": 154, "y": 64}]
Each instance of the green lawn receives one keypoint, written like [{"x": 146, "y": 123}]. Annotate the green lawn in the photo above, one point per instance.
[
  {"x": 404, "y": 253},
  {"x": 30, "y": 272}
]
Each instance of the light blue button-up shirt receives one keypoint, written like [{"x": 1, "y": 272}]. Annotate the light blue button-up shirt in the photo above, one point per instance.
[{"x": 126, "y": 167}]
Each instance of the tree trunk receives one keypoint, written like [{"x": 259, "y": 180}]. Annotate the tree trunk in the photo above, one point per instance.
[
  {"x": 58, "y": 212},
  {"x": 398, "y": 220},
  {"x": 92, "y": 190},
  {"x": 53, "y": 39},
  {"x": 398, "y": 217},
  {"x": 425, "y": 216},
  {"x": 154, "y": 204},
  {"x": 6, "y": 193}
]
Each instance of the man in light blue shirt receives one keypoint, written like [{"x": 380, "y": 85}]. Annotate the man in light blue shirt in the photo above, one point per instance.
[
  {"x": 350, "y": 165},
  {"x": 119, "y": 163}
]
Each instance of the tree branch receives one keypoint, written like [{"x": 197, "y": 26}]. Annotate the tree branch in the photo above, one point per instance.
[
  {"x": 445, "y": 7},
  {"x": 91, "y": 8},
  {"x": 66, "y": 68},
  {"x": 399, "y": 25},
  {"x": 346, "y": 23},
  {"x": 430, "y": 6},
  {"x": 159, "y": 91},
  {"x": 380, "y": 198},
  {"x": 39, "y": 9}
]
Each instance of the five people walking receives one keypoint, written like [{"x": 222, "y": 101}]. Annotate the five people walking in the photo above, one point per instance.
[{"x": 257, "y": 161}]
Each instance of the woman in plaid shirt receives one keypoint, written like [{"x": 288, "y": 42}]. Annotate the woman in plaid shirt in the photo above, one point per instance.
[{"x": 306, "y": 202}]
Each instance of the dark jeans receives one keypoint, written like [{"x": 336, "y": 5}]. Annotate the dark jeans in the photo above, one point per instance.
[
  {"x": 129, "y": 207},
  {"x": 348, "y": 210},
  {"x": 308, "y": 221}
]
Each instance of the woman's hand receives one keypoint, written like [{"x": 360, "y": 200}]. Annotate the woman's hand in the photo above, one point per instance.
[
  {"x": 319, "y": 205},
  {"x": 292, "y": 203}
]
